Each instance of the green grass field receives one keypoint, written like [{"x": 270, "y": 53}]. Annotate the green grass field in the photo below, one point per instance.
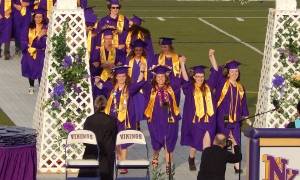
[
  {"x": 4, "y": 119},
  {"x": 227, "y": 23}
]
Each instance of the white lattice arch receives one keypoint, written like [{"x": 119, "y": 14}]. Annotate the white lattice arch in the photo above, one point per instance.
[
  {"x": 271, "y": 65},
  {"x": 50, "y": 160}
]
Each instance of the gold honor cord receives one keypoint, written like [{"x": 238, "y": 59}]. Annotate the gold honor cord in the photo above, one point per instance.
[
  {"x": 106, "y": 73},
  {"x": 240, "y": 92},
  {"x": 32, "y": 34},
  {"x": 199, "y": 104},
  {"x": 150, "y": 107}
]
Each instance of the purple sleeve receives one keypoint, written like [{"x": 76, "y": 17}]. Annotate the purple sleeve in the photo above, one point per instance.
[
  {"x": 245, "y": 111},
  {"x": 40, "y": 43},
  {"x": 212, "y": 81},
  {"x": 83, "y": 4},
  {"x": 187, "y": 87},
  {"x": 24, "y": 39},
  {"x": 150, "y": 52},
  {"x": 147, "y": 90},
  {"x": 135, "y": 87}
]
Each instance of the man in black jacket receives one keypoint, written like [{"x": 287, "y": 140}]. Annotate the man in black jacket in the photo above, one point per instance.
[
  {"x": 215, "y": 158},
  {"x": 105, "y": 129}
]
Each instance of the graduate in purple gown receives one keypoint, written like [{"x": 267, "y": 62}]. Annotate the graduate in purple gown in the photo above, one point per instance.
[
  {"x": 163, "y": 115},
  {"x": 120, "y": 104},
  {"x": 5, "y": 26},
  {"x": 116, "y": 21},
  {"x": 231, "y": 101},
  {"x": 45, "y": 4},
  {"x": 136, "y": 31},
  {"x": 169, "y": 57},
  {"x": 33, "y": 44},
  {"x": 106, "y": 57},
  {"x": 199, "y": 112},
  {"x": 21, "y": 18},
  {"x": 91, "y": 23},
  {"x": 136, "y": 57}
]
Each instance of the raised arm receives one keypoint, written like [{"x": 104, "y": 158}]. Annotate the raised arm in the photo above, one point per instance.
[
  {"x": 182, "y": 60},
  {"x": 212, "y": 59}
]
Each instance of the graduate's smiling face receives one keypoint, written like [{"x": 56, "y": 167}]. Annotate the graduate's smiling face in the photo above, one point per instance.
[
  {"x": 114, "y": 9},
  {"x": 108, "y": 40},
  {"x": 233, "y": 74},
  {"x": 38, "y": 18},
  {"x": 121, "y": 78},
  {"x": 138, "y": 51},
  {"x": 160, "y": 79},
  {"x": 199, "y": 78},
  {"x": 165, "y": 48}
]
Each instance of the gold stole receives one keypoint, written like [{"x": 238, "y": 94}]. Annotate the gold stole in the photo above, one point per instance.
[
  {"x": 49, "y": 8},
  {"x": 131, "y": 62},
  {"x": 32, "y": 34},
  {"x": 23, "y": 10},
  {"x": 129, "y": 38},
  {"x": 120, "y": 27},
  {"x": 240, "y": 92},
  {"x": 199, "y": 104},
  {"x": 175, "y": 62},
  {"x": 122, "y": 108},
  {"x": 7, "y": 7},
  {"x": 110, "y": 59},
  {"x": 149, "y": 109}
]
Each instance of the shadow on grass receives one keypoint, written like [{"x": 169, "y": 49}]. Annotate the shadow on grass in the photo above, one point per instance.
[{"x": 4, "y": 119}]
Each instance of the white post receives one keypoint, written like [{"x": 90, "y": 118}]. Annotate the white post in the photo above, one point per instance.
[{"x": 50, "y": 155}]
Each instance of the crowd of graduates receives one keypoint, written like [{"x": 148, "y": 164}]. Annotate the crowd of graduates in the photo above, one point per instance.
[{"x": 138, "y": 83}]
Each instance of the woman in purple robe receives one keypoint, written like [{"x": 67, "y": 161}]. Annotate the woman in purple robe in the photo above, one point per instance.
[
  {"x": 163, "y": 115},
  {"x": 135, "y": 58},
  {"x": 199, "y": 112},
  {"x": 116, "y": 21},
  {"x": 33, "y": 44},
  {"x": 5, "y": 26},
  {"x": 136, "y": 31},
  {"x": 21, "y": 18},
  {"x": 105, "y": 58},
  {"x": 120, "y": 103},
  {"x": 231, "y": 101},
  {"x": 169, "y": 57}
]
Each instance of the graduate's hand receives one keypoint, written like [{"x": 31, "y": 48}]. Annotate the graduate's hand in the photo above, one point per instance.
[
  {"x": 98, "y": 83},
  {"x": 18, "y": 7},
  {"x": 232, "y": 139},
  {"x": 142, "y": 67},
  {"x": 6, "y": 13},
  {"x": 1, "y": 16},
  {"x": 211, "y": 52},
  {"x": 24, "y": 4},
  {"x": 121, "y": 46},
  {"x": 182, "y": 59},
  {"x": 96, "y": 64}
]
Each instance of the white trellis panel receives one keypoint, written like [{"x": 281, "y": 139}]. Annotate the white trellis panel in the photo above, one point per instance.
[
  {"x": 271, "y": 66},
  {"x": 50, "y": 160}
]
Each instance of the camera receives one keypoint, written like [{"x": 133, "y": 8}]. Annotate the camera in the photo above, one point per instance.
[{"x": 228, "y": 145}]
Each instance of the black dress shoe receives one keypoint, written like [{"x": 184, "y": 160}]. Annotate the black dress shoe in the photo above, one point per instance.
[
  {"x": 192, "y": 164},
  {"x": 238, "y": 171}
]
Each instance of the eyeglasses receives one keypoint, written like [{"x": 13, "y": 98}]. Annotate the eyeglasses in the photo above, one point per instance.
[{"x": 115, "y": 7}]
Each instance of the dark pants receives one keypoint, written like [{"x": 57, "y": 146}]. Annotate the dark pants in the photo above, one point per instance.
[{"x": 31, "y": 82}]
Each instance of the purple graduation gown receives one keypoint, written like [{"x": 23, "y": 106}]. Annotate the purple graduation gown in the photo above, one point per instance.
[
  {"x": 93, "y": 57},
  {"x": 162, "y": 133},
  {"x": 175, "y": 81},
  {"x": 32, "y": 68},
  {"x": 119, "y": 59},
  {"x": 192, "y": 134},
  {"x": 107, "y": 20},
  {"x": 223, "y": 109},
  {"x": 20, "y": 21},
  {"x": 138, "y": 99},
  {"x": 148, "y": 49},
  {"x": 132, "y": 90},
  {"x": 5, "y": 25}
]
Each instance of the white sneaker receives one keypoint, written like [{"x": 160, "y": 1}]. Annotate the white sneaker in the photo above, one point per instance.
[{"x": 31, "y": 91}]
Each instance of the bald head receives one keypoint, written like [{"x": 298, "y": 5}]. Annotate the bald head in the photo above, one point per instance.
[{"x": 220, "y": 140}]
